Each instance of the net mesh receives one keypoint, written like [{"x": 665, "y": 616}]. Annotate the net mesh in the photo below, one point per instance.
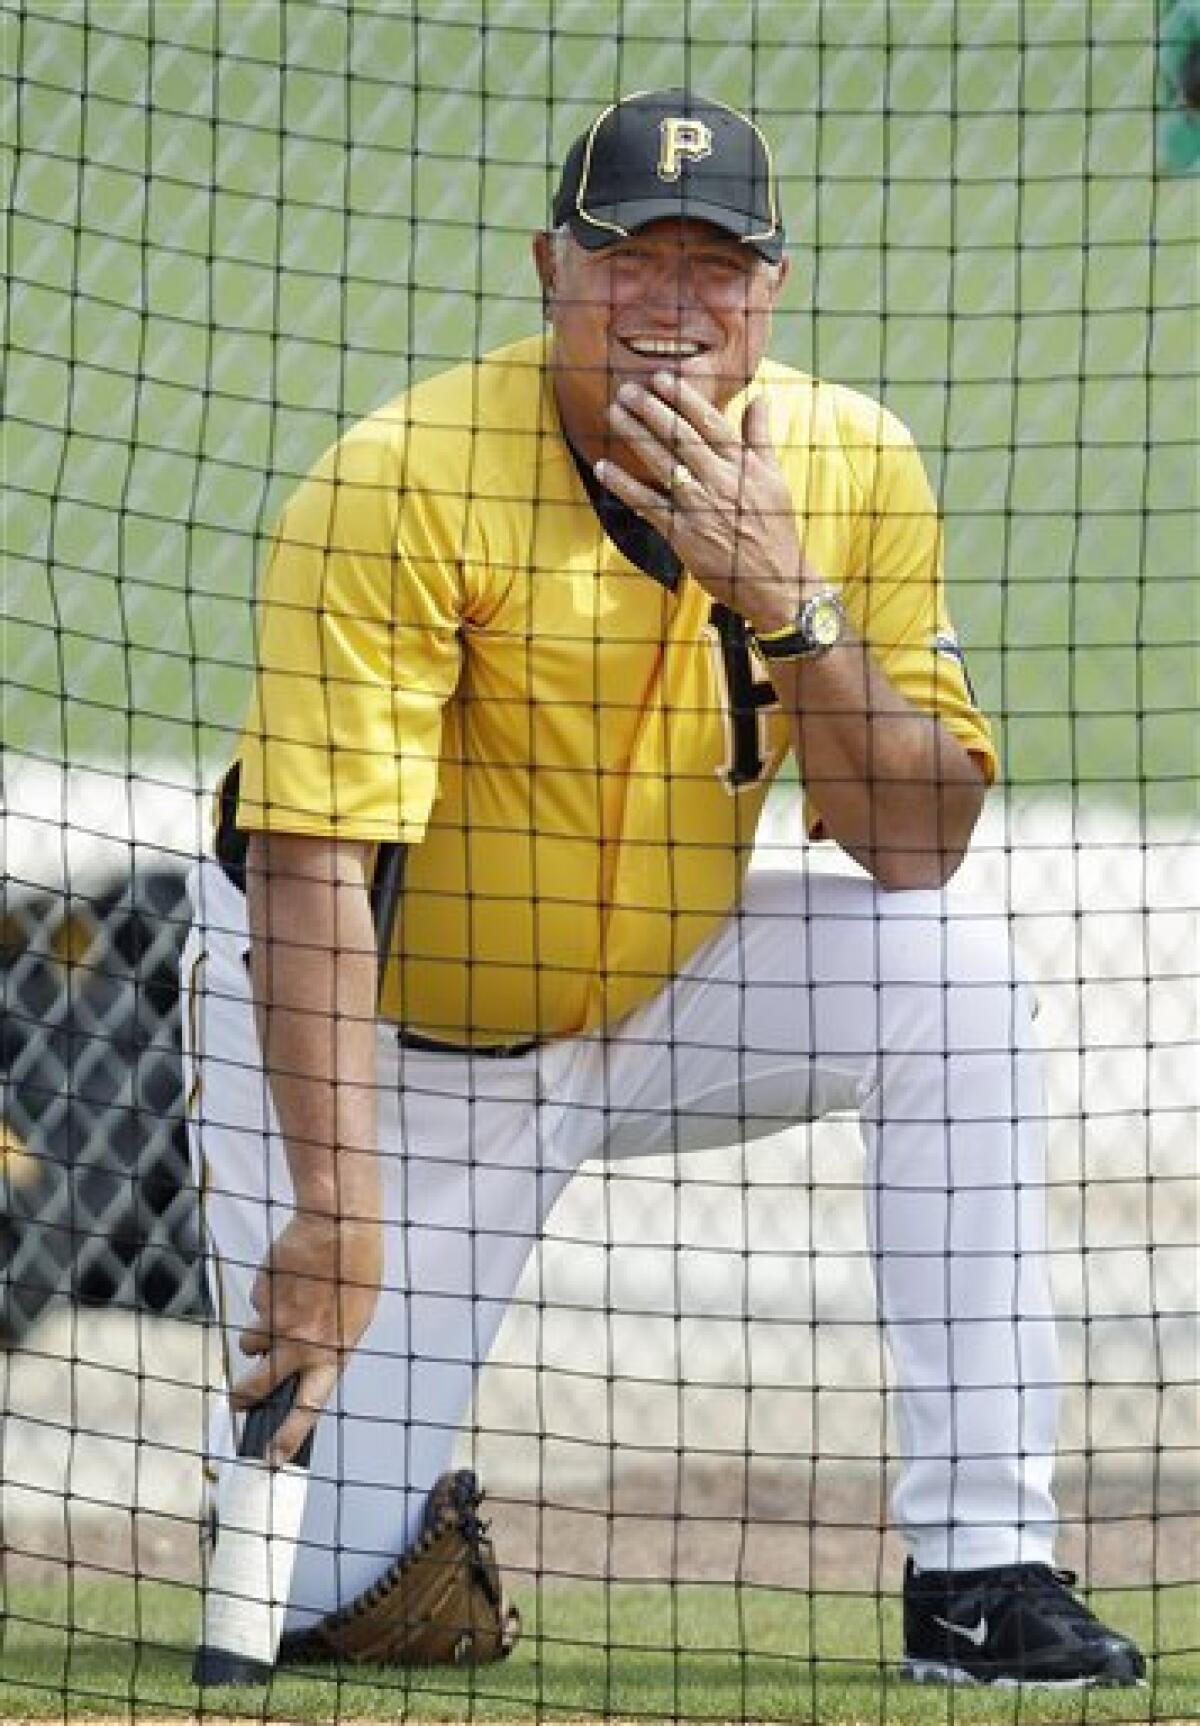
[{"x": 232, "y": 230}]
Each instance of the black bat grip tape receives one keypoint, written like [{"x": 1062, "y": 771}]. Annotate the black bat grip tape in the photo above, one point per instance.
[{"x": 264, "y": 1420}]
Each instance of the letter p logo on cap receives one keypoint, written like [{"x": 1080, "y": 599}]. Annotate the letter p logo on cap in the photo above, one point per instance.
[{"x": 681, "y": 139}]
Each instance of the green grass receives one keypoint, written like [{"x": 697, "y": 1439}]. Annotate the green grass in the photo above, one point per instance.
[
  {"x": 699, "y": 1653},
  {"x": 287, "y": 212}
]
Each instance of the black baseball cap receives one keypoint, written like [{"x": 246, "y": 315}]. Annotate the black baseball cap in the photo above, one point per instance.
[{"x": 667, "y": 153}]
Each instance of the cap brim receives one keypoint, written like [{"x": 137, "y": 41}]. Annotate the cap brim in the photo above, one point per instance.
[{"x": 606, "y": 224}]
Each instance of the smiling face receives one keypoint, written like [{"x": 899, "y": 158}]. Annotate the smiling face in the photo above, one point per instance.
[{"x": 678, "y": 295}]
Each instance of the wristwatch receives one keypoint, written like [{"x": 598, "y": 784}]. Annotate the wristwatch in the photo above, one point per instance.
[{"x": 819, "y": 625}]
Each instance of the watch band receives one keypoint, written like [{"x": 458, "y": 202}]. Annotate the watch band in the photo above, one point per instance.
[{"x": 817, "y": 627}]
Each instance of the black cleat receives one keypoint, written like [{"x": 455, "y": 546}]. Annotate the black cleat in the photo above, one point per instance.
[{"x": 1018, "y": 1624}]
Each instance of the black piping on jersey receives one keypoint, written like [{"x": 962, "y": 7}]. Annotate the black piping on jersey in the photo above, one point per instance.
[
  {"x": 632, "y": 535},
  {"x": 747, "y": 694},
  {"x": 387, "y": 884},
  {"x": 387, "y": 878},
  {"x": 231, "y": 841}
]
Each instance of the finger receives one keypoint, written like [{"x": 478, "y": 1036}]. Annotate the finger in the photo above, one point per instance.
[
  {"x": 756, "y": 429},
  {"x": 637, "y": 435},
  {"x": 657, "y": 453},
  {"x": 277, "y": 1364},
  {"x": 662, "y": 418},
  {"x": 266, "y": 1292},
  {"x": 643, "y": 499},
  {"x": 313, "y": 1391},
  {"x": 251, "y": 1388},
  {"x": 660, "y": 435},
  {"x": 697, "y": 412},
  {"x": 255, "y": 1339}
]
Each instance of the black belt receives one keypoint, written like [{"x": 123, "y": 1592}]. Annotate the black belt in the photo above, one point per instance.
[
  {"x": 431, "y": 1046},
  {"x": 488, "y": 1051}
]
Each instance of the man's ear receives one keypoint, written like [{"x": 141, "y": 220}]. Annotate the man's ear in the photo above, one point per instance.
[
  {"x": 779, "y": 281},
  {"x": 543, "y": 261}
]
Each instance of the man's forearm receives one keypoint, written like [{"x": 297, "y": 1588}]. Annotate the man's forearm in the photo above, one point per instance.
[
  {"x": 893, "y": 787},
  {"x": 314, "y": 971}
]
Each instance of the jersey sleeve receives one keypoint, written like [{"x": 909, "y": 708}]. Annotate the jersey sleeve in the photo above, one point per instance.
[
  {"x": 358, "y": 651},
  {"x": 894, "y": 590}
]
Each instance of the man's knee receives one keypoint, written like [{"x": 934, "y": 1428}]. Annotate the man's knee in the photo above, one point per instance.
[
  {"x": 928, "y": 937},
  {"x": 952, "y": 974}
]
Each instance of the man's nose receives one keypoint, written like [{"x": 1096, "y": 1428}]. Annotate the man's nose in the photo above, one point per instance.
[{"x": 671, "y": 285}]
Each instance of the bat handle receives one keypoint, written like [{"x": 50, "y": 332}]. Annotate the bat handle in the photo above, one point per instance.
[
  {"x": 239, "y": 1639},
  {"x": 264, "y": 1420}
]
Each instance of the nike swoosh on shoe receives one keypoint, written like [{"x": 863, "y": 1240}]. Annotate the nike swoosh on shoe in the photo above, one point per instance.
[{"x": 976, "y": 1633}]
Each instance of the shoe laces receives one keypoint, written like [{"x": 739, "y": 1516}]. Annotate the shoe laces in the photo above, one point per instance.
[{"x": 1051, "y": 1587}]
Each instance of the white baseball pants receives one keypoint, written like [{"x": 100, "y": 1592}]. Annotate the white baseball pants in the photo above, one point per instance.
[{"x": 822, "y": 993}]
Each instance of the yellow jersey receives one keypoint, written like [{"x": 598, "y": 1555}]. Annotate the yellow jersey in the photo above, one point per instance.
[{"x": 454, "y": 656}]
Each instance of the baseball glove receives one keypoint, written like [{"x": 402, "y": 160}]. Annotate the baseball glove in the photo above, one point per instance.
[{"x": 440, "y": 1604}]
